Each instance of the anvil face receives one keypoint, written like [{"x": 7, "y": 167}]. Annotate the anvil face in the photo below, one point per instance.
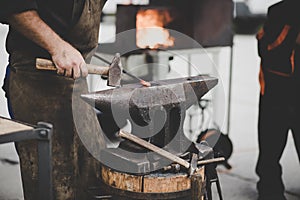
[{"x": 165, "y": 94}]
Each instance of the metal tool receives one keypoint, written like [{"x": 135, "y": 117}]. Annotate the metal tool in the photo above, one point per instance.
[
  {"x": 173, "y": 166},
  {"x": 154, "y": 148},
  {"x": 113, "y": 71},
  {"x": 193, "y": 165},
  {"x": 210, "y": 161},
  {"x": 143, "y": 82}
]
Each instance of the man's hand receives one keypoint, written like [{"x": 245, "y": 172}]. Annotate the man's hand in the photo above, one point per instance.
[{"x": 67, "y": 59}]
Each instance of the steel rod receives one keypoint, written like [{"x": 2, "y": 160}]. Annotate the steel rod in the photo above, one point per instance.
[{"x": 154, "y": 148}]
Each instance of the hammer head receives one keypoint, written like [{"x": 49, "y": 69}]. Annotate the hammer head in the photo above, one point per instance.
[
  {"x": 193, "y": 165},
  {"x": 115, "y": 72}
]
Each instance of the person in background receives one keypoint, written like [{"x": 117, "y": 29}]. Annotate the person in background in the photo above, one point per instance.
[
  {"x": 65, "y": 31},
  {"x": 279, "y": 108}
]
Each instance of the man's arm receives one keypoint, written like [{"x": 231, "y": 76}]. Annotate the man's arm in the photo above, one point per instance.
[{"x": 65, "y": 56}]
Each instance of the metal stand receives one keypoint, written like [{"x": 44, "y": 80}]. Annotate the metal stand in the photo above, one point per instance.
[
  {"x": 197, "y": 187},
  {"x": 212, "y": 177},
  {"x": 42, "y": 133}
]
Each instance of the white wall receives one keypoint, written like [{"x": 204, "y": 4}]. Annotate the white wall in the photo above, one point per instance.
[
  {"x": 3, "y": 64},
  {"x": 260, "y": 6}
]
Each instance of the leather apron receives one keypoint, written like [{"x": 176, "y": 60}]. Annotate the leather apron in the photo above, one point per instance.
[{"x": 44, "y": 96}]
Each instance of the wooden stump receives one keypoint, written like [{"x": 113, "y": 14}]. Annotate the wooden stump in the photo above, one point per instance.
[{"x": 155, "y": 183}]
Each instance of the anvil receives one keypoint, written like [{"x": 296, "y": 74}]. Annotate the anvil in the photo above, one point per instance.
[
  {"x": 162, "y": 93},
  {"x": 156, "y": 114}
]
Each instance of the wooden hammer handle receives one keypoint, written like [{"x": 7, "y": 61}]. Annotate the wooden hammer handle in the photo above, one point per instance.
[
  {"x": 45, "y": 64},
  {"x": 154, "y": 148}
]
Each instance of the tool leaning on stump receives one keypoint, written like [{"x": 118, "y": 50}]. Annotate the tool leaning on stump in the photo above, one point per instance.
[
  {"x": 113, "y": 71},
  {"x": 192, "y": 166},
  {"x": 198, "y": 188}
]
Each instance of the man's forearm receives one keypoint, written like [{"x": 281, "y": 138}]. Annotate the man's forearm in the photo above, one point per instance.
[
  {"x": 67, "y": 59},
  {"x": 35, "y": 29}
]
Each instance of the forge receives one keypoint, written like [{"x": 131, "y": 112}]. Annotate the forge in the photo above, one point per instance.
[{"x": 206, "y": 22}]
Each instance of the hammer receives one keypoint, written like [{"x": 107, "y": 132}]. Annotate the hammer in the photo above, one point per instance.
[
  {"x": 113, "y": 71},
  {"x": 143, "y": 82},
  {"x": 191, "y": 166}
]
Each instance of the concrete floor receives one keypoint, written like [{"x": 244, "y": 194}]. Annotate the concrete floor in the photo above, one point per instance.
[{"x": 238, "y": 183}]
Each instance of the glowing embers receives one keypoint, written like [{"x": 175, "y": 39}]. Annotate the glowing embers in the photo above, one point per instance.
[{"x": 151, "y": 32}]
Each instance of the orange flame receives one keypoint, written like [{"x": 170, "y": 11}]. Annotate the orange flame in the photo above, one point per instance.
[{"x": 150, "y": 29}]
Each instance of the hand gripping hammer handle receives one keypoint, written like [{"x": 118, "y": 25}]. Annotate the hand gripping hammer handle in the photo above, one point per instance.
[{"x": 45, "y": 64}]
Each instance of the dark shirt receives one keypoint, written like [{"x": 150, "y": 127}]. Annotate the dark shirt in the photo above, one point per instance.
[
  {"x": 60, "y": 15},
  {"x": 280, "y": 54},
  {"x": 277, "y": 39}
]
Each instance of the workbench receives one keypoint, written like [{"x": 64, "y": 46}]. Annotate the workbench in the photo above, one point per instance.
[{"x": 13, "y": 131}]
